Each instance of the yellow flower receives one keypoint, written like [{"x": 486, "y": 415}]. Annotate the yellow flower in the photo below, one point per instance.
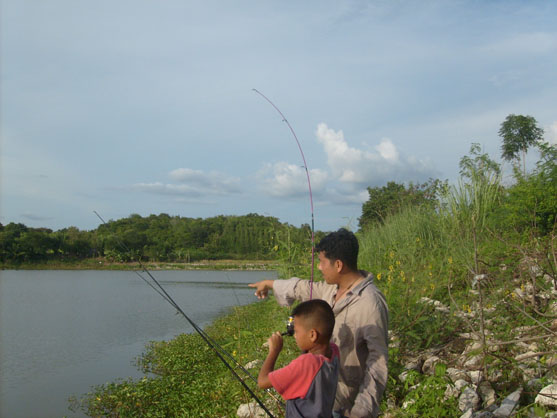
[
  {"x": 392, "y": 254},
  {"x": 391, "y": 268},
  {"x": 234, "y": 353},
  {"x": 418, "y": 239},
  {"x": 450, "y": 260},
  {"x": 398, "y": 262},
  {"x": 378, "y": 276}
]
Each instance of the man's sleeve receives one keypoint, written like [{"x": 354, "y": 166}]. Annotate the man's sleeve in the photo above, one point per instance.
[
  {"x": 287, "y": 291},
  {"x": 371, "y": 391}
]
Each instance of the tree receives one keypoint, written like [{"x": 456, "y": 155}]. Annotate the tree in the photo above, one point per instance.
[
  {"x": 393, "y": 197},
  {"x": 519, "y": 133}
]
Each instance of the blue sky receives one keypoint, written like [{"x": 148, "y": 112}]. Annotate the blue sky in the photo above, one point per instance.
[{"x": 147, "y": 106}]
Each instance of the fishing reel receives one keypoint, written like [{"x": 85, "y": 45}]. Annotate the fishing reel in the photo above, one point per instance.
[{"x": 289, "y": 327}]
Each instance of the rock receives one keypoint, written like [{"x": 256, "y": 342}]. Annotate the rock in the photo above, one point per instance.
[
  {"x": 474, "y": 361},
  {"x": 414, "y": 364},
  {"x": 408, "y": 403},
  {"x": 528, "y": 373},
  {"x": 483, "y": 414},
  {"x": 429, "y": 365},
  {"x": 468, "y": 414},
  {"x": 508, "y": 405},
  {"x": 495, "y": 375},
  {"x": 469, "y": 399},
  {"x": 534, "y": 385},
  {"x": 253, "y": 364},
  {"x": 478, "y": 278},
  {"x": 250, "y": 410},
  {"x": 475, "y": 376},
  {"x": 486, "y": 393},
  {"x": 469, "y": 336},
  {"x": 460, "y": 384},
  {"x": 403, "y": 376},
  {"x": 548, "y": 396},
  {"x": 455, "y": 374},
  {"x": 528, "y": 357},
  {"x": 451, "y": 392},
  {"x": 551, "y": 361},
  {"x": 474, "y": 346}
]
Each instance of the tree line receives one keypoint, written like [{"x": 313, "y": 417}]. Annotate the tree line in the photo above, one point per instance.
[{"x": 155, "y": 238}]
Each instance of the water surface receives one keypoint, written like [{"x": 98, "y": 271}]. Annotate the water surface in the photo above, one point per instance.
[{"x": 62, "y": 332}]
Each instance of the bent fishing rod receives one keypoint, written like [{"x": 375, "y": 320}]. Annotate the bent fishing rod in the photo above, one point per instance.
[
  {"x": 309, "y": 186},
  {"x": 219, "y": 351}
]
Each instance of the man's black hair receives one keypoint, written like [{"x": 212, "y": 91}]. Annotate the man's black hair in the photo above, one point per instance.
[
  {"x": 340, "y": 245},
  {"x": 319, "y": 314}
]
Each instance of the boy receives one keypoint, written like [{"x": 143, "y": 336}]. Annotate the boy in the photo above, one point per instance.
[
  {"x": 362, "y": 319},
  {"x": 309, "y": 382}
]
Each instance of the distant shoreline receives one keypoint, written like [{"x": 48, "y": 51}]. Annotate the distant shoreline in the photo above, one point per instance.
[{"x": 101, "y": 264}]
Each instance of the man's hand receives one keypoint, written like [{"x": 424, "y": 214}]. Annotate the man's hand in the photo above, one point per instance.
[{"x": 262, "y": 288}]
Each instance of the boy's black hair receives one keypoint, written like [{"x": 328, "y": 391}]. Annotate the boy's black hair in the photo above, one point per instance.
[
  {"x": 319, "y": 314},
  {"x": 340, "y": 245}
]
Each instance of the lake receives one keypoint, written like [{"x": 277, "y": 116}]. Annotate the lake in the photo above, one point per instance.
[{"x": 62, "y": 332}]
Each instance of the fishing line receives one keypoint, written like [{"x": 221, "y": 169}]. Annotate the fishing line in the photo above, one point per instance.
[
  {"x": 219, "y": 351},
  {"x": 309, "y": 186}
]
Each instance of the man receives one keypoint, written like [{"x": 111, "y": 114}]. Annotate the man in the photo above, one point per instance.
[{"x": 361, "y": 321}]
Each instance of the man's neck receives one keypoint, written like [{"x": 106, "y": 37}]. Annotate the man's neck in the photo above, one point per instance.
[{"x": 349, "y": 280}]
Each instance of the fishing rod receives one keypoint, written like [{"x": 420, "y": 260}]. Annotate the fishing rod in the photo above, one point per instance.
[
  {"x": 309, "y": 186},
  {"x": 219, "y": 351}
]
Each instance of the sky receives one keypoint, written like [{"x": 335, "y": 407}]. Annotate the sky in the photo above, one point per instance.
[{"x": 147, "y": 107}]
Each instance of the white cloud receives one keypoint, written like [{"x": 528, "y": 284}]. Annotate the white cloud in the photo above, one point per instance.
[
  {"x": 193, "y": 183},
  {"x": 287, "y": 180},
  {"x": 551, "y": 133},
  {"x": 167, "y": 189},
  {"x": 214, "y": 181},
  {"x": 360, "y": 169},
  {"x": 524, "y": 43}
]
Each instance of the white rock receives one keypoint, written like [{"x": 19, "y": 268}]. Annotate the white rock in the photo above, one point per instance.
[
  {"x": 551, "y": 361},
  {"x": 475, "y": 376},
  {"x": 253, "y": 364},
  {"x": 469, "y": 399},
  {"x": 473, "y": 361},
  {"x": 461, "y": 384},
  {"x": 429, "y": 365},
  {"x": 528, "y": 357},
  {"x": 414, "y": 364},
  {"x": 451, "y": 392},
  {"x": 404, "y": 375},
  {"x": 486, "y": 393},
  {"x": 508, "y": 404},
  {"x": 455, "y": 374},
  {"x": 548, "y": 396},
  {"x": 468, "y": 414},
  {"x": 495, "y": 375},
  {"x": 250, "y": 410},
  {"x": 408, "y": 403}
]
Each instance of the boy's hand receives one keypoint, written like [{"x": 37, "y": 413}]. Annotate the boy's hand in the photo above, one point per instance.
[
  {"x": 262, "y": 288},
  {"x": 275, "y": 343}
]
